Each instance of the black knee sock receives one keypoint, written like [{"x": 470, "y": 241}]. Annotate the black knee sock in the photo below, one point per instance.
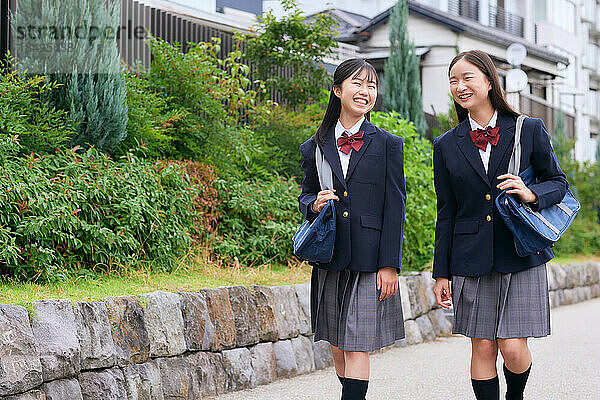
[
  {"x": 515, "y": 383},
  {"x": 341, "y": 378},
  {"x": 488, "y": 389},
  {"x": 354, "y": 389}
]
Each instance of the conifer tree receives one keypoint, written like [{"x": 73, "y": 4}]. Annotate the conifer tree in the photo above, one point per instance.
[
  {"x": 401, "y": 81},
  {"x": 73, "y": 42}
]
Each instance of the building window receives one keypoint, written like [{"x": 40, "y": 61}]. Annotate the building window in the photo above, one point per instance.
[{"x": 562, "y": 13}]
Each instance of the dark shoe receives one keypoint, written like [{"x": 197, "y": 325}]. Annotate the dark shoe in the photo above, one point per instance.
[
  {"x": 354, "y": 389},
  {"x": 341, "y": 378},
  {"x": 488, "y": 389},
  {"x": 515, "y": 383}
]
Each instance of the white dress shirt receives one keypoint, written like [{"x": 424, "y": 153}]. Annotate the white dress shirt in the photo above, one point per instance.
[
  {"x": 339, "y": 131},
  {"x": 484, "y": 154}
]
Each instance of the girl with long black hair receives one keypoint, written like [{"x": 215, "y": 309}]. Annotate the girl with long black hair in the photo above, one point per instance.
[
  {"x": 500, "y": 299},
  {"x": 355, "y": 302}
]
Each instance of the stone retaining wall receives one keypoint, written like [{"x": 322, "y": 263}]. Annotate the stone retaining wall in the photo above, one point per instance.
[{"x": 176, "y": 346}]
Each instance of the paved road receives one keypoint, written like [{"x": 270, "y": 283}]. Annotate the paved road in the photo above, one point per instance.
[{"x": 566, "y": 366}]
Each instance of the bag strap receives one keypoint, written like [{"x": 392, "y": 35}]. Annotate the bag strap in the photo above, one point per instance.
[
  {"x": 514, "y": 164},
  {"x": 323, "y": 170}
]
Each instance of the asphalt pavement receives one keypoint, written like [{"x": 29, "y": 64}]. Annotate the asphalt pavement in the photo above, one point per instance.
[{"x": 566, "y": 366}]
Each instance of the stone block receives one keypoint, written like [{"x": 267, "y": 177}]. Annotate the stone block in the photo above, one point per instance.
[
  {"x": 428, "y": 283},
  {"x": 245, "y": 316},
  {"x": 263, "y": 363},
  {"x": 63, "y": 389},
  {"x": 552, "y": 279},
  {"x": 128, "y": 329},
  {"x": 221, "y": 314},
  {"x": 177, "y": 377},
  {"x": 287, "y": 311},
  {"x": 417, "y": 293},
  {"x": 20, "y": 367},
  {"x": 238, "y": 364},
  {"x": 554, "y": 298},
  {"x": 595, "y": 290},
  {"x": 403, "y": 287},
  {"x": 322, "y": 354},
  {"x": 586, "y": 293},
  {"x": 107, "y": 384},
  {"x": 164, "y": 324},
  {"x": 413, "y": 333},
  {"x": 285, "y": 359},
  {"x": 55, "y": 333},
  {"x": 265, "y": 314},
  {"x": 426, "y": 328},
  {"x": 303, "y": 294},
  {"x": 440, "y": 323},
  {"x": 591, "y": 274},
  {"x": 143, "y": 381},
  {"x": 559, "y": 275},
  {"x": 199, "y": 331},
  {"x": 303, "y": 352},
  {"x": 570, "y": 296},
  {"x": 209, "y": 372},
  {"x": 32, "y": 395},
  {"x": 95, "y": 339}
]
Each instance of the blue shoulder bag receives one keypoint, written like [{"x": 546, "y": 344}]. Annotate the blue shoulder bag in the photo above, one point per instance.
[
  {"x": 314, "y": 240},
  {"x": 533, "y": 230}
]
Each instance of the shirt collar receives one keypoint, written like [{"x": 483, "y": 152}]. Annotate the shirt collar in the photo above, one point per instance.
[
  {"x": 339, "y": 128},
  {"x": 492, "y": 123}
]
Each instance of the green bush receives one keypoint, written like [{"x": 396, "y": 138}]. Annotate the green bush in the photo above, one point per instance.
[
  {"x": 25, "y": 111},
  {"x": 193, "y": 97},
  {"x": 258, "y": 220},
  {"x": 72, "y": 211},
  {"x": 419, "y": 227}
]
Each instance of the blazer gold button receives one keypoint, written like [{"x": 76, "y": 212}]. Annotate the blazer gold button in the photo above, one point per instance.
[
  {"x": 488, "y": 218},
  {"x": 488, "y": 197},
  {"x": 345, "y": 194},
  {"x": 345, "y": 214}
]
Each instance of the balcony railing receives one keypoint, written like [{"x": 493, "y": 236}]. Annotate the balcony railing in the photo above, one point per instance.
[
  {"x": 508, "y": 22},
  {"x": 464, "y": 8},
  {"x": 497, "y": 17}
]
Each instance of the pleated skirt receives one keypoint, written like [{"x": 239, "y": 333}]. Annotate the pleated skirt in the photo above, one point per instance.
[
  {"x": 347, "y": 313},
  {"x": 514, "y": 305}
]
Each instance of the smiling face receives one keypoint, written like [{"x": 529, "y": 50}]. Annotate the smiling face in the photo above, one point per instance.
[
  {"x": 469, "y": 86},
  {"x": 357, "y": 93}
]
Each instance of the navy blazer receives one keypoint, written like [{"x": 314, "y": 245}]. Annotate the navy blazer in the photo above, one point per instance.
[
  {"x": 471, "y": 238},
  {"x": 372, "y": 205}
]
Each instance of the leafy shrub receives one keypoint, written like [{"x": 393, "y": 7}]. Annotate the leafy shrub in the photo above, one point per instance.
[
  {"x": 295, "y": 44},
  {"x": 72, "y": 211},
  {"x": 194, "y": 95},
  {"x": 257, "y": 220},
  {"x": 26, "y": 112},
  {"x": 419, "y": 228}
]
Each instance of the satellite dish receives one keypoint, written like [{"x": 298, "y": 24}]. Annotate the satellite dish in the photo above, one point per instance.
[
  {"x": 515, "y": 54},
  {"x": 516, "y": 80}
]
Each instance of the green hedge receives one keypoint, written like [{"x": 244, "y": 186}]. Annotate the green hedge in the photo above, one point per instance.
[{"x": 67, "y": 212}]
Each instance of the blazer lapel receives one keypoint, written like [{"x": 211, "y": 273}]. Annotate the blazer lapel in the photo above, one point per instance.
[
  {"x": 330, "y": 152},
  {"x": 470, "y": 151},
  {"x": 505, "y": 143},
  {"x": 355, "y": 157}
]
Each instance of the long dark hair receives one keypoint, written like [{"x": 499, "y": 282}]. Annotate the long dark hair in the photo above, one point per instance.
[
  {"x": 485, "y": 64},
  {"x": 351, "y": 67}
]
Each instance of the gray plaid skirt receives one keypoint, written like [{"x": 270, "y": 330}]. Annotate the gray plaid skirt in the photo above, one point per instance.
[
  {"x": 347, "y": 313},
  {"x": 502, "y": 305}
]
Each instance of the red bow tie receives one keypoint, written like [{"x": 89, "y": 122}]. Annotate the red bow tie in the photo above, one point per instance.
[
  {"x": 481, "y": 137},
  {"x": 346, "y": 143}
]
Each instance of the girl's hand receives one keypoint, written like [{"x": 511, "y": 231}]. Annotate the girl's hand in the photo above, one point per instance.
[
  {"x": 442, "y": 292},
  {"x": 322, "y": 198},
  {"x": 519, "y": 188},
  {"x": 387, "y": 282}
]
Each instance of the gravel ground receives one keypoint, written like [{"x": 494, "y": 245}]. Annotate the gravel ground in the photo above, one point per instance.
[{"x": 566, "y": 365}]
